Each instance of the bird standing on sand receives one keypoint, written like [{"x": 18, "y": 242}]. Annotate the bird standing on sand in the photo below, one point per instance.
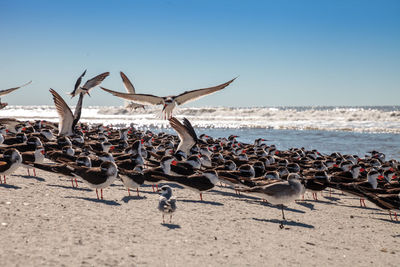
[
  {"x": 279, "y": 193},
  {"x": 90, "y": 84},
  {"x": 10, "y": 161},
  {"x": 166, "y": 202},
  {"x": 169, "y": 102}
]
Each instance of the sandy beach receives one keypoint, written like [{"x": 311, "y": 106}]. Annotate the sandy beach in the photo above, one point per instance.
[{"x": 46, "y": 222}]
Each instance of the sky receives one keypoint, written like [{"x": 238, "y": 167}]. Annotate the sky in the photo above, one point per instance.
[{"x": 286, "y": 53}]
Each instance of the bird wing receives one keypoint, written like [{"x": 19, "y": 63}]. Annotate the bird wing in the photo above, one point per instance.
[
  {"x": 127, "y": 83},
  {"x": 196, "y": 94},
  {"x": 190, "y": 129},
  {"x": 78, "y": 81},
  {"x": 64, "y": 114},
  {"x": 96, "y": 80},
  {"x": 78, "y": 110},
  {"x": 7, "y": 91},
  {"x": 138, "y": 98},
  {"x": 186, "y": 140}
]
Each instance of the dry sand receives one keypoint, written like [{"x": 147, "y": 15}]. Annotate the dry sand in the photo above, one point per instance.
[{"x": 46, "y": 222}]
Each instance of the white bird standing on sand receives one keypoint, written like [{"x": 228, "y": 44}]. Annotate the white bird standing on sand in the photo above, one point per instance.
[
  {"x": 67, "y": 120},
  {"x": 90, "y": 84},
  {"x": 169, "y": 102},
  {"x": 279, "y": 193},
  {"x": 7, "y": 91},
  {"x": 166, "y": 202}
]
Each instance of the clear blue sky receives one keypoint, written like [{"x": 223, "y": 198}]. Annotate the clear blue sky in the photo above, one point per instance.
[{"x": 320, "y": 52}]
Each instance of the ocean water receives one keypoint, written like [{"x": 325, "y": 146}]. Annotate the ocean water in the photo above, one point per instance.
[{"x": 350, "y": 130}]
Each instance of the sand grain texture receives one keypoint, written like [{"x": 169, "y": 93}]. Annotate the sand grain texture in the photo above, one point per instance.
[{"x": 46, "y": 222}]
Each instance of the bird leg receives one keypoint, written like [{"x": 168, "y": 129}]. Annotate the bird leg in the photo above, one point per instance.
[
  {"x": 395, "y": 216},
  {"x": 129, "y": 192},
  {"x": 28, "y": 172},
  {"x": 163, "y": 221},
  {"x": 283, "y": 218},
  {"x": 153, "y": 187},
  {"x": 390, "y": 214},
  {"x": 34, "y": 172},
  {"x": 101, "y": 191},
  {"x": 137, "y": 190},
  {"x": 170, "y": 218},
  {"x": 72, "y": 182},
  {"x": 76, "y": 182},
  {"x": 362, "y": 202},
  {"x": 201, "y": 196},
  {"x": 97, "y": 193},
  {"x": 157, "y": 187},
  {"x": 330, "y": 192},
  {"x": 4, "y": 179}
]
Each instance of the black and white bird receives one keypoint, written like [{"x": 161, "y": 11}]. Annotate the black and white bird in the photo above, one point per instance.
[
  {"x": 166, "y": 202},
  {"x": 90, "y": 84},
  {"x": 130, "y": 89},
  {"x": 7, "y": 91},
  {"x": 186, "y": 133},
  {"x": 67, "y": 120},
  {"x": 10, "y": 161},
  {"x": 169, "y": 102}
]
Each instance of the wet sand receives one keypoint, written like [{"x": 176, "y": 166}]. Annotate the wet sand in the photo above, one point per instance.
[{"x": 46, "y": 222}]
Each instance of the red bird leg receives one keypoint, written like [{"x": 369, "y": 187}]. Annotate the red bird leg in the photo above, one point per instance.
[
  {"x": 72, "y": 182},
  {"x": 97, "y": 193},
  {"x": 170, "y": 218},
  {"x": 163, "y": 221},
  {"x": 201, "y": 196},
  {"x": 395, "y": 216},
  {"x": 101, "y": 191},
  {"x": 28, "y": 172},
  {"x": 5, "y": 179},
  {"x": 137, "y": 190},
  {"x": 302, "y": 197},
  {"x": 330, "y": 192},
  {"x": 390, "y": 214},
  {"x": 34, "y": 172},
  {"x": 129, "y": 192},
  {"x": 157, "y": 187},
  {"x": 153, "y": 187},
  {"x": 76, "y": 182}
]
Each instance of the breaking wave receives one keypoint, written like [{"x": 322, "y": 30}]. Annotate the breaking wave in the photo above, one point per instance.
[{"x": 381, "y": 119}]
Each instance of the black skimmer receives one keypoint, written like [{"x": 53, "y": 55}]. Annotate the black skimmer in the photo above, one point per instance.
[
  {"x": 279, "y": 193},
  {"x": 30, "y": 157},
  {"x": 169, "y": 102},
  {"x": 98, "y": 177},
  {"x": 7, "y": 91},
  {"x": 197, "y": 182},
  {"x": 90, "y": 84},
  {"x": 67, "y": 120},
  {"x": 130, "y": 89},
  {"x": 186, "y": 133},
  {"x": 166, "y": 202},
  {"x": 10, "y": 161}
]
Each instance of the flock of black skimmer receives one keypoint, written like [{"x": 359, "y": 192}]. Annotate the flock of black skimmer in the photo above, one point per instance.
[{"x": 100, "y": 154}]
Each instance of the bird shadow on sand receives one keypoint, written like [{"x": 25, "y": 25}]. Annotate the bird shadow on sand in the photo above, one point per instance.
[
  {"x": 286, "y": 223},
  {"x": 126, "y": 199},
  {"x": 70, "y": 187},
  {"x": 214, "y": 203},
  {"x": 332, "y": 198},
  {"x": 359, "y": 207},
  {"x": 171, "y": 226},
  {"x": 102, "y": 201},
  {"x": 388, "y": 220},
  {"x": 306, "y": 205},
  {"x": 33, "y": 178},
  {"x": 10, "y": 186},
  {"x": 231, "y": 194},
  {"x": 319, "y": 201},
  {"x": 273, "y": 206}
]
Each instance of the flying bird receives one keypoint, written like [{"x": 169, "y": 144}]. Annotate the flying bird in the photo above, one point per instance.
[
  {"x": 130, "y": 89},
  {"x": 67, "y": 120},
  {"x": 7, "y": 91},
  {"x": 169, "y": 102},
  {"x": 90, "y": 84}
]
